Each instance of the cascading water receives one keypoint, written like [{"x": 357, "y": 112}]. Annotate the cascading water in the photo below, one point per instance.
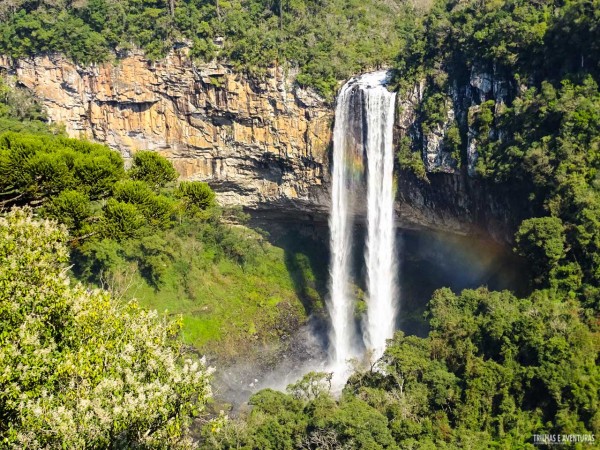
[
  {"x": 363, "y": 132},
  {"x": 380, "y": 254},
  {"x": 347, "y": 170}
]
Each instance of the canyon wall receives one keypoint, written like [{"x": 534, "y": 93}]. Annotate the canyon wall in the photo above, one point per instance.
[
  {"x": 264, "y": 145},
  {"x": 258, "y": 143},
  {"x": 453, "y": 197}
]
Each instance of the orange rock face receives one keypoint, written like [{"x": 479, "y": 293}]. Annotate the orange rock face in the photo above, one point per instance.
[{"x": 256, "y": 142}]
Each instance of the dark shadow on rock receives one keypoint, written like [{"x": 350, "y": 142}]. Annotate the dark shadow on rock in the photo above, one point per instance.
[
  {"x": 427, "y": 261},
  {"x": 433, "y": 260}
]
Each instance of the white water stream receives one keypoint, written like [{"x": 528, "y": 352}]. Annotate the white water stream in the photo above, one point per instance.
[
  {"x": 363, "y": 151},
  {"x": 380, "y": 254}
]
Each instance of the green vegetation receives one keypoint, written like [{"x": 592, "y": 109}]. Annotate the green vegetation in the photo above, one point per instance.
[
  {"x": 542, "y": 54},
  {"x": 20, "y": 111},
  {"x": 34, "y": 168},
  {"x": 231, "y": 286},
  {"x": 542, "y": 136},
  {"x": 136, "y": 234},
  {"x": 530, "y": 41},
  {"x": 410, "y": 160},
  {"x": 153, "y": 169},
  {"x": 197, "y": 197},
  {"x": 78, "y": 368},
  {"x": 327, "y": 41},
  {"x": 495, "y": 369},
  {"x": 542, "y": 241}
]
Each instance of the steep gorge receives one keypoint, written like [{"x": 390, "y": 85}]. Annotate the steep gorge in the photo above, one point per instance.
[{"x": 263, "y": 144}]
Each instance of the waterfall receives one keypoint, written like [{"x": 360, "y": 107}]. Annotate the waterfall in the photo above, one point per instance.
[
  {"x": 362, "y": 153},
  {"x": 380, "y": 255},
  {"x": 345, "y": 158}
]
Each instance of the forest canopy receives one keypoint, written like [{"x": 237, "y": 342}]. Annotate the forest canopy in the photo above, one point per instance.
[{"x": 326, "y": 40}]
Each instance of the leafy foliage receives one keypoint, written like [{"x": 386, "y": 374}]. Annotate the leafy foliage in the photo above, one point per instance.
[
  {"x": 36, "y": 167},
  {"x": 80, "y": 369},
  {"x": 153, "y": 169},
  {"x": 542, "y": 242},
  {"x": 133, "y": 233},
  {"x": 411, "y": 160},
  {"x": 327, "y": 41},
  {"x": 231, "y": 303},
  {"x": 197, "y": 196},
  {"x": 72, "y": 208},
  {"x": 493, "y": 371},
  {"x": 535, "y": 128}
]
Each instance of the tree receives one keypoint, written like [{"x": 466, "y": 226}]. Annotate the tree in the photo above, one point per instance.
[
  {"x": 311, "y": 385},
  {"x": 71, "y": 208},
  {"x": 98, "y": 171},
  {"x": 197, "y": 196},
  {"x": 152, "y": 168},
  {"x": 34, "y": 167},
  {"x": 157, "y": 209},
  {"x": 122, "y": 220},
  {"x": 542, "y": 241},
  {"x": 78, "y": 369}
]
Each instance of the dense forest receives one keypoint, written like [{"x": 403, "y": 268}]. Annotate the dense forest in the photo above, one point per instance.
[
  {"x": 327, "y": 41},
  {"x": 493, "y": 371}
]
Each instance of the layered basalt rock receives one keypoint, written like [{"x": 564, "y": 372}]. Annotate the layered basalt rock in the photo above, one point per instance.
[
  {"x": 264, "y": 143},
  {"x": 258, "y": 143}
]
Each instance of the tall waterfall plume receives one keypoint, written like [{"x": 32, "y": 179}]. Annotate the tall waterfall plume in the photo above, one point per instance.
[
  {"x": 380, "y": 253},
  {"x": 362, "y": 153},
  {"x": 347, "y": 172}
]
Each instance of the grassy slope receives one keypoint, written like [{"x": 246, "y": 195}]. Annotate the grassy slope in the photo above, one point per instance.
[{"x": 228, "y": 309}]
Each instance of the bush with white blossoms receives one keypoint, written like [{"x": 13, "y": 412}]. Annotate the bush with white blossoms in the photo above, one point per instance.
[{"x": 77, "y": 368}]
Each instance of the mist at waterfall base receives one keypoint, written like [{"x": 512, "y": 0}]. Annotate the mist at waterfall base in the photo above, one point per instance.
[{"x": 426, "y": 261}]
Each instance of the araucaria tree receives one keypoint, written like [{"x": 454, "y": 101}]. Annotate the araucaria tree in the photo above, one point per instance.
[{"x": 77, "y": 368}]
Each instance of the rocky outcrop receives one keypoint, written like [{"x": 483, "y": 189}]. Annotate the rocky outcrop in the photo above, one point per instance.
[
  {"x": 257, "y": 143},
  {"x": 453, "y": 109},
  {"x": 460, "y": 204},
  {"x": 453, "y": 198}
]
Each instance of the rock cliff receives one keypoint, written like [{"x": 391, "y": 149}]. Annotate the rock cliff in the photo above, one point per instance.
[
  {"x": 454, "y": 198},
  {"x": 264, "y": 144},
  {"x": 258, "y": 143}
]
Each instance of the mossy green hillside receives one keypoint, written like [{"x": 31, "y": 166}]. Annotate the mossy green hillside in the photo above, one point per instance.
[{"x": 229, "y": 309}]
